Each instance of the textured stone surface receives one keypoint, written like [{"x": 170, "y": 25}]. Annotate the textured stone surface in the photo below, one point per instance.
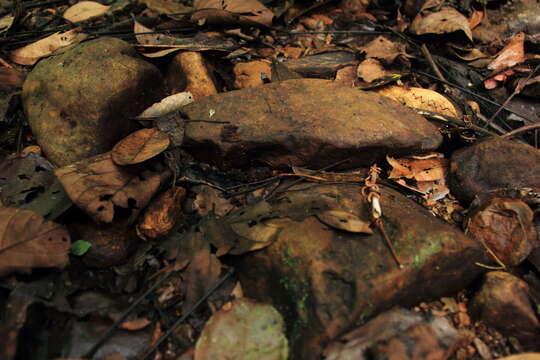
[
  {"x": 304, "y": 122},
  {"x": 503, "y": 302},
  {"x": 492, "y": 166},
  {"x": 79, "y": 103},
  {"x": 325, "y": 281}
]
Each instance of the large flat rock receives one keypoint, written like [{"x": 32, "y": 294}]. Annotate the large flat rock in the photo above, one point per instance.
[
  {"x": 303, "y": 122},
  {"x": 326, "y": 281}
]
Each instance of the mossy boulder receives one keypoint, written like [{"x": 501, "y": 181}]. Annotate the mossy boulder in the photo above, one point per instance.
[
  {"x": 79, "y": 103},
  {"x": 325, "y": 280}
]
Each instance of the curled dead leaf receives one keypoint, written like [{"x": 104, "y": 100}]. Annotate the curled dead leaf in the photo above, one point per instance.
[
  {"x": 97, "y": 184},
  {"x": 27, "y": 241},
  {"x": 140, "y": 146},
  {"x": 85, "y": 10},
  {"x": 30, "y": 54},
  {"x": 162, "y": 214}
]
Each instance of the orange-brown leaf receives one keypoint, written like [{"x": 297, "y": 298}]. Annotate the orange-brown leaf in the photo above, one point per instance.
[{"x": 140, "y": 146}]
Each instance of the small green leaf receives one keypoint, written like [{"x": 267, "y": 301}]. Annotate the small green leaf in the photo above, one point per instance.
[{"x": 80, "y": 247}]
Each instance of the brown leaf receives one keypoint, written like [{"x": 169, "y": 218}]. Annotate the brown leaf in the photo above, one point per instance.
[
  {"x": 370, "y": 70},
  {"x": 512, "y": 54},
  {"x": 345, "y": 221},
  {"x": 476, "y": 18},
  {"x": 27, "y": 241},
  {"x": 85, "y": 10},
  {"x": 97, "y": 184},
  {"x": 30, "y": 54},
  {"x": 383, "y": 49},
  {"x": 447, "y": 20},
  {"x": 227, "y": 11},
  {"x": 139, "y": 146},
  {"x": 202, "y": 272},
  {"x": 162, "y": 214}
]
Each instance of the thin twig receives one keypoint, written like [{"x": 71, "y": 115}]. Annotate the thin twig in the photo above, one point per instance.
[
  {"x": 123, "y": 317},
  {"x": 186, "y": 315},
  {"x": 520, "y": 130}
]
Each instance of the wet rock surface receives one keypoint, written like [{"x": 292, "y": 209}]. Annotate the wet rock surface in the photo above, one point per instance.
[
  {"x": 305, "y": 122},
  {"x": 325, "y": 280},
  {"x": 494, "y": 166},
  {"x": 79, "y": 103},
  {"x": 504, "y": 303}
]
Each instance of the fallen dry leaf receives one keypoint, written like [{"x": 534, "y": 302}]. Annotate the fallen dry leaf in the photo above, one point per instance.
[
  {"x": 445, "y": 21},
  {"x": 383, "y": 49},
  {"x": 425, "y": 175},
  {"x": 370, "y": 70},
  {"x": 27, "y": 241},
  {"x": 30, "y": 54},
  {"x": 140, "y": 146},
  {"x": 167, "y": 105},
  {"x": 97, "y": 184},
  {"x": 512, "y": 54},
  {"x": 506, "y": 227},
  {"x": 343, "y": 220},
  {"x": 85, "y": 10},
  {"x": 162, "y": 214},
  {"x": 420, "y": 98},
  {"x": 231, "y": 11}
]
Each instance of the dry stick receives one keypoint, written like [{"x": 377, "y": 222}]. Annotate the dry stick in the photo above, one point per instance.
[
  {"x": 297, "y": 181},
  {"x": 186, "y": 315},
  {"x": 521, "y": 130},
  {"x": 432, "y": 63},
  {"x": 517, "y": 90}
]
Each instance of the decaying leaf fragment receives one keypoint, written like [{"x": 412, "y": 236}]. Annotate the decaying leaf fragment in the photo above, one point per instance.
[
  {"x": 27, "y": 241},
  {"x": 30, "y": 54},
  {"x": 140, "y": 146},
  {"x": 97, "y": 184},
  {"x": 383, "y": 49},
  {"x": 420, "y": 98},
  {"x": 85, "y": 10}
]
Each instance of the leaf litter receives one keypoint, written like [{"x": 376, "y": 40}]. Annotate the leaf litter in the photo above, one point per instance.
[{"x": 210, "y": 214}]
